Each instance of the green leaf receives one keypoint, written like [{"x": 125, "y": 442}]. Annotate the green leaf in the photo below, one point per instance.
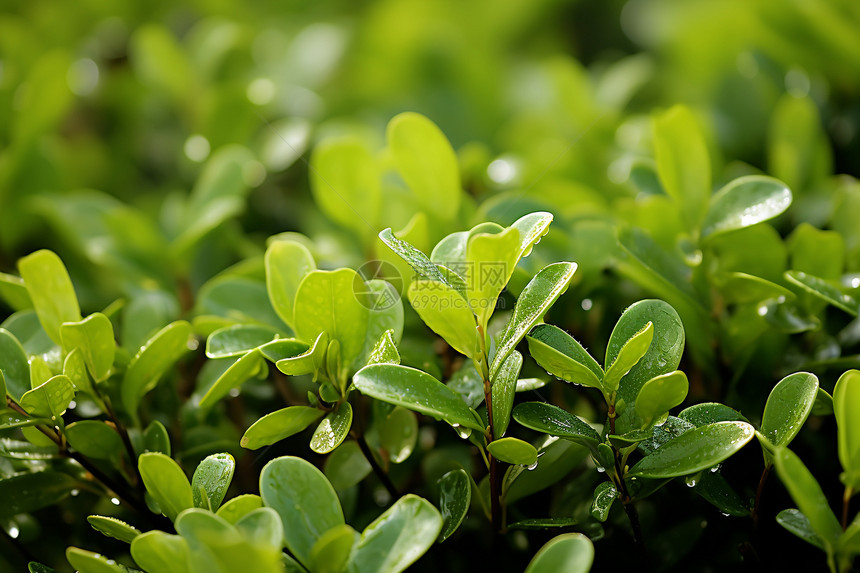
[
  {"x": 789, "y": 404},
  {"x": 425, "y": 159},
  {"x": 75, "y": 369},
  {"x": 662, "y": 357},
  {"x": 90, "y": 562},
  {"x": 40, "y": 372},
  {"x": 824, "y": 290},
  {"x": 490, "y": 262},
  {"x": 797, "y": 523},
  {"x": 503, "y": 391},
  {"x": 14, "y": 292},
  {"x": 713, "y": 487},
  {"x": 95, "y": 439},
  {"x": 34, "y": 567},
  {"x": 345, "y": 181},
  {"x": 278, "y": 425},
  {"x": 569, "y": 552},
  {"x": 346, "y": 466},
  {"x": 605, "y": 495},
  {"x": 513, "y": 451},
  {"x": 327, "y": 302},
  {"x": 332, "y": 430},
  {"x": 309, "y": 361},
  {"x": 846, "y": 408},
  {"x": 823, "y": 404},
  {"x": 556, "y": 459},
  {"x": 287, "y": 264},
  {"x": 415, "y": 390},
  {"x": 683, "y": 162},
  {"x": 156, "y": 438},
  {"x": 14, "y": 365},
  {"x": 661, "y": 394},
  {"x": 236, "y": 299},
  {"x": 282, "y": 349},
  {"x": 331, "y": 552},
  {"x": 9, "y": 420},
  {"x": 416, "y": 259},
  {"x": 166, "y": 483},
  {"x": 162, "y": 552},
  {"x": 807, "y": 494},
  {"x": 238, "y": 507},
  {"x": 819, "y": 253},
  {"x": 455, "y": 497},
  {"x": 398, "y": 537},
  {"x": 398, "y": 434},
  {"x": 530, "y": 384},
  {"x": 113, "y": 527},
  {"x": 447, "y": 314},
  {"x": 263, "y": 529},
  {"x": 543, "y": 417},
  {"x": 630, "y": 353},
  {"x": 710, "y": 412},
  {"x": 745, "y": 288},
  {"x": 49, "y": 400},
  {"x": 211, "y": 480},
  {"x": 562, "y": 356},
  {"x": 304, "y": 499},
  {"x": 542, "y": 524},
  {"x": 744, "y": 202},
  {"x": 694, "y": 450},
  {"x": 51, "y": 291},
  {"x": 537, "y": 297},
  {"x": 93, "y": 336},
  {"x": 385, "y": 350},
  {"x": 28, "y": 492},
  {"x": 153, "y": 360},
  {"x": 798, "y": 149},
  {"x": 248, "y": 366},
  {"x": 238, "y": 339}
]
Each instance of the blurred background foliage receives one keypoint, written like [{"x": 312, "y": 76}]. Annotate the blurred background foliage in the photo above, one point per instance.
[{"x": 154, "y": 145}]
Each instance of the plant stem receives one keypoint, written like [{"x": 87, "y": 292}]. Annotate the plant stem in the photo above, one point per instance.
[
  {"x": 377, "y": 469},
  {"x": 758, "y": 493},
  {"x": 846, "y": 503},
  {"x": 629, "y": 507},
  {"x": 126, "y": 441},
  {"x": 495, "y": 483}
]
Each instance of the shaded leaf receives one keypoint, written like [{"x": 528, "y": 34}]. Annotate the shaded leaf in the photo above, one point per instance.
[
  {"x": 570, "y": 552},
  {"x": 605, "y": 495},
  {"x": 166, "y": 483},
  {"x": 543, "y": 417},
  {"x": 455, "y": 497}
]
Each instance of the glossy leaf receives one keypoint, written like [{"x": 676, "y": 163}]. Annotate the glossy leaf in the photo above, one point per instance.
[
  {"x": 398, "y": 434},
  {"x": 95, "y": 439},
  {"x": 709, "y": 413},
  {"x": 211, "y": 480},
  {"x": 331, "y": 552},
  {"x": 455, "y": 497},
  {"x": 248, "y": 366},
  {"x": 713, "y": 487},
  {"x": 283, "y": 348},
  {"x": 745, "y": 202},
  {"x": 629, "y": 354},
  {"x": 695, "y": 450},
  {"x": 415, "y": 390},
  {"x": 287, "y": 263},
  {"x": 94, "y": 337},
  {"x": 332, "y": 430},
  {"x": 543, "y": 417},
  {"x": 556, "y": 459},
  {"x": 385, "y": 314},
  {"x": 307, "y": 362},
  {"x": 166, "y": 483},
  {"x": 90, "y": 562},
  {"x": 807, "y": 494},
  {"x": 304, "y": 499},
  {"x": 661, "y": 394},
  {"x": 537, "y": 297},
  {"x": 238, "y": 339},
  {"x": 153, "y": 360},
  {"x": 156, "y": 438},
  {"x": 385, "y": 350},
  {"x": 159, "y": 551},
  {"x": 570, "y": 552},
  {"x": 846, "y": 407},
  {"x": 605, "y": 495},
  {"x": 28, "y": 492},
  {"x": 447, "y": 314},
  {"x": 503, "y": 391},
  {"x": 75, "y": 369},
  {"x": 562, "y": 356},
  {"x": 50, "y": 399},
  {"x": 236, "y": 508},
  {"x": 797, "y": 523},
  {"x": 51, "y": 291},
  {"x": 824, "y": 290},
  {"x": 513, "y": 451},
  {"x": 13, "y": 363},
  {"x": 40, "y": 372},
  {"x": 113, "y": 527},
  {"x": 398, "y": 537},
  {"x": 419, "y": 262},
  {"x": 278, "y": 425},
  {"x": 788, "y": 405}
]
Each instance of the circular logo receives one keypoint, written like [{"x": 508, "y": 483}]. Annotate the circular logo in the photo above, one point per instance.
[{"x": 378, "y": 285}]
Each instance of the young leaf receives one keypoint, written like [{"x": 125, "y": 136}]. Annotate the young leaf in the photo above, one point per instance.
[
  {"x": 159, "y": 551},
  {"x": 823, "y": 290},
  {"x": 446, "y": 313},
  {"x": 490, "y": 262},
  {"x": 661, "y": 394},
  {"x": 513, "y": 451},
  {"x": 40, "y": 372},
  {"x": 211, "y": 480},
  {"x": 153, "y": 360},
  {"x": 537, "y": 297},
  {"x": 95, "y": 439},
  {"x": 13, "y": 362},
  {"x": 605, "y": 495},
  {"x": 331, "y": 552},
  {"x": 709, "y": 413},
  {"x": 307, "y": 362},
  {"x": 90, "y": 562},
  {"x": 113, "y": 527},
  {"x": 807, "y": 494},
  {"x": 562, "y": 356},
  {"x": 166, "y": 483},
  {"x": 49, "y": 400},
  {"x": 744, "y": 202},
  {"x": 51, "y": 291},
  {"x": 304, "y": 499},
  {"x": 569, "y": 552},
  {"x": 278, "y": 425},
  {"x": 630, "y": 353},
  {"x": 385, "y": 350},
  {"x": 543, "y": 417},
  {"x": 238, "y": 339},
  {"x": 788, "y": 405},
  {"x": 398, "y": 537},
  {"x": 332, "y": 430},
  {"x": 238, "y": 507},
  {"x": 503, "y": 390},
  {"x": 282, "y": 349},
  {"x": 398, "y": 434},
  {"x": 797, "y": 523},
  {"x": 846, "y": 407},
  {"x": 455, "y": 497},
  {"x": 695, "y": 450},
  {"x": 156, "y": 438},
  {"x": 416, "y": 259},
  {"x": 385, "y": 314},
  {"x": 93, "y": 336},
  {"x": 415, "y": 390},
  {"x": 248, "y": 366}
]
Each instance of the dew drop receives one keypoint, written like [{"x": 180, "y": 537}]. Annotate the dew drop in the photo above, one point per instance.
[
  {"x": 14, "y": 532},
  {"x": 74, "y": 492},
  {"x": 114, "y": 500},
  {"x": 533, "y": 466}
]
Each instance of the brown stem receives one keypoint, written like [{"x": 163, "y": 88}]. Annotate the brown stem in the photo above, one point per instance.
[
  {"x": 629, "y": 507},
  {"x": 758, "y": 494},
  {"x": 377, "y": 469},
  {"x": 126, "y": 441},
  {"x": 846, "y": 504}
]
